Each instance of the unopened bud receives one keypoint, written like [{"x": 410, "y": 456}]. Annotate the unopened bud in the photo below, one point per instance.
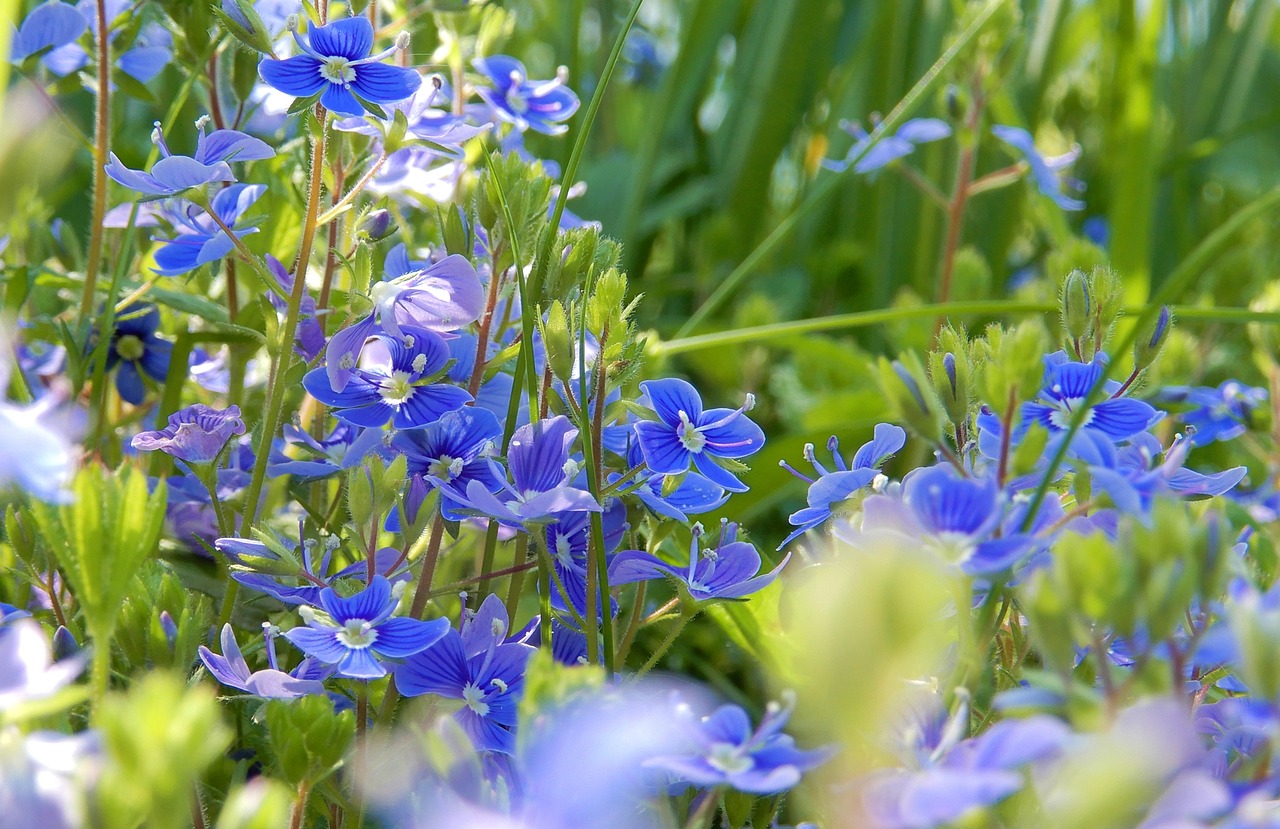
[
  {"x": 1151, "y": 341},
  {"x": 379, "y": 224},
  {"x": 1075, "y": 306}
]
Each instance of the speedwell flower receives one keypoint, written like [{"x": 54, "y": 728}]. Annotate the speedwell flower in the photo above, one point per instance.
[
  {"x": 540, "y": 106},
  {"x": 1067, "y": 385},
  {"x": 684, "y": 433},
  {"x": 195, "y": 434},
  {"x": 400, "y": 388},
  {"x": 198, "y": 239},
  {"x": 362, "y": 631},
  {"x": 1044, "y": 170},
  {"x": 336, "y": 68},
  {"x": 174, "y": 173},
  {"x": 270, "y": 683},
  {"x": 727, "y": 572},
  {"x": 137, "y": 350},
  {"x": 889, "y": 148}
]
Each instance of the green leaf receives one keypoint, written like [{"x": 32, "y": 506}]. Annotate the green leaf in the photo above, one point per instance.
[{"x": 187, "y": 303}]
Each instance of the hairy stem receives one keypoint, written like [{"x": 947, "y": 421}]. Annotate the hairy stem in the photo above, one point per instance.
[{"x": 101, "y": 147}]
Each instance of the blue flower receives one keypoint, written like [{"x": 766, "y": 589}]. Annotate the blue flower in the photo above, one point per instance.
[
  {"x": 1066, "y": 387},
  {"x": 832, "y": 488},
  {"x": 453, "y": 451},
  {"x": 1043, "y": 170},
  {"x": 310, "y": 340},
  {"x": 1132, "y": 476},
  {"x": 27, "y": 669},
  {"x": 542, "y": 476},
  {"x": 568, "y": 541},
  {"x": 693, "y": 494},
  {"x": 540, "y": 106},
  {"x": 51, "y": 26},
  {"x": 399, "y": 388},
  {"x": 198, "y": 239},
  {"x": 728, "y": 752},
  {"x": 685, "y": 434},
  {"x": 336, "y": 67},
  {"x": 271, "y": 683},
  {"x": 362, "y": 631},
  {"x": 196, "y": 434},
  {"x": 1220, "y": 413},
  {"x": 138, "y": 351},
  {"x": 56, "y": 27},
  {"x": 480, "y": 668},
  {"x": 174, "y": 173},
  {"x": 890, "y": 148},
  {"x": 443, "y": 132},
  {"x": 953, "y": 776},
  {"x": 956, "y": 518},
  {"x": 35, "y": 452},
  {"x": 442, "y": 296},
  {"x": 345, "y": 447},
  {"x": 727, "y": 572}
]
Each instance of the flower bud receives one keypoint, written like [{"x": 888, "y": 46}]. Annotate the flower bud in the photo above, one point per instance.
[
  {"x": 1151, "y": 340},
  {"x": 1075, "y": 306},
  {"x": 557, "y": 339},
  {"x": 378, "y": 224}
]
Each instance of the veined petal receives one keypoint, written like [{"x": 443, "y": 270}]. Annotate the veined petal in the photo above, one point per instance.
[
  {"x": 359, "y": 392},
  {"x": 717, "y": 473},
  {"x": 538, "y": 452},
  {"x": 48, "y": 25},
  {"x": 672, "y": 396},
  {"x": 383, "y": 84},
  {"x": 731, "y": 434},
  {"x": 350, "y": 37},
  {"x": 361, "y": 663},
  {"x": 322, "y": 644},
  {"x": 134, "y": 179},
  {"x": 338, "y": 99},
  {"x": 635, "y": 565},
  {"x": 369, "y": 605},
  {"x": 440, "y": 669},
  {"x": 298, "y": 76},
  {"x": 342, "y": 354},
  {"x": 144, "y": 62},
  {"x": 429, "y": 404},
  {"x": 888, "y": 440},
  {"x": 1123, "y": 417},
  {"x": 231, "y": 145},
  {"x": 178, "y": 172},
  {"x": 663, "y": 452}
]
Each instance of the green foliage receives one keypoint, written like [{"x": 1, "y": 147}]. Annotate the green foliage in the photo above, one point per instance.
[
  {"x": 141, "y": 637},
  {"x": 261, "y": 803},
  {"x": 308, "y": 740},
  {"x": 159, "y": 737}
]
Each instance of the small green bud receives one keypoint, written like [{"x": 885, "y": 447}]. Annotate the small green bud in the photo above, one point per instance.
[
  {"x": 457, "y": 236},
  {"x": 360, "y": 496},
  {"x": 1107, "y": 292},
  {"x": 1075, "y": 307},
  {"x": 557, "y": 336},
  {"x": 242, "y": 20}
]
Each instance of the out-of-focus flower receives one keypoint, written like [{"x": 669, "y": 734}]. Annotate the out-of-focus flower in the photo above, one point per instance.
[
  {"x": 45, "y": 778},
  {"x": 1044, "y": 170},
  {"x": 271, "y": 683},
  {"x": 442, "y": 132},
  {"x": 831, "y": 488},
  {"x": 336, "y": 68},
  {"x": 27, "y": 670},
  {"x": 138, "y": 350},
  {"x": 174, "y": 173},
  {"x": 198, "y": 239},
  {"x": 310, "y": 339},
  {"x": 890, "y": 148},
  {"x": 541, "y": 106},
  {"x": 36, "y": 452},
  {"x": 361, "y": 631},
  {"x": 1220, "y": 413},
  {"x": 728, "y": 752},
  {"x": 727, "y": 571},
  {"x": 685, "y": 434},
  {"x": 196, "y": 434},
  {"x": 57, "y": 26}
]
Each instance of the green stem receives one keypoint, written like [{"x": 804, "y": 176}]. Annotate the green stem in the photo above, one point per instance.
[
  {"x": 863, "y": 319},
  {"x": 341, "y": 205},
  {"x": 685, "y": 618},
  {"x": 274, "y": 402},
  {"x": 917, "y": 94},
  {"x": 517, "y": 574},
  {"x": 101, "y": 147},
  {"x": 100, "y": 669}
]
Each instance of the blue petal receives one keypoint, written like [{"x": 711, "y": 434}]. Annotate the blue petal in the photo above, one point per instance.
[
  {"x": 361, "y": 663},
  {"x": 538, "y": 452},
  {"x": 1122, "y": 418},
  {"x": 372, "y": 603},
  {"x": 134, "y": 179},
  {"x": 730, "y": 434},
  {"x": 888, "y": 440},
  {"x": 670, "y": 397},
  {"x": 346, "y": 346},
  {"x": 923, "y": 130},
  {"x": 947, "y": 503},
  {"x": 633, "y": 565},
  {"x": 441, "y": 669},
  {"x": 129, "y": 383},
  {"x": 51, "y": 24},
  {"x": 428, "y": 404},
  {"x": 178, "y": 172},
  {"x": 350, "y": 37},
  {"x": 663, "y": 452},
  {"x": 997, "y": 555},
  {"x": 145, "y": 62},
  {"x": 500, "y": 68},
  {"x": 322, "y": 644},
  {"x": 298, "y": 76},
  {"x": 178, "y": 256},
  {"x": 231, "y": 145},
  {"x": 717, "y": 473},
  {"x": 338, "y": 99},
  {"x": 383, "y": 84},
  {"x": 358, "y": 393}
]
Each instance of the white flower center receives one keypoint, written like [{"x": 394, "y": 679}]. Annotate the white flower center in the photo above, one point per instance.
[
  {"x": 1061, "y": 415},
  {"x": 445, "y": 468},
  {"x": 564, "y": 550},
  {"x": 690, "y": 437},
  {"x": 396, "y": 389},
  {"x": 357, "y": 634},
  {"x": 338, "y": 70},
  {"x": 953, "y": 547},
  {"x": 515, "y": 101},
  {"x": 474, "y": 698},
  {"x": 729, "y": 758}
]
